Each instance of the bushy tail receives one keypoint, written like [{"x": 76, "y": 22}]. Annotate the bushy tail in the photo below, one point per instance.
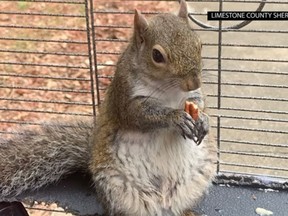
[{"x": 37, "y": 157}]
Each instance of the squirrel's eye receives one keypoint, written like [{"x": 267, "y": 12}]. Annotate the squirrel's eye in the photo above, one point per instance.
[{"x": 157, "y": 56}]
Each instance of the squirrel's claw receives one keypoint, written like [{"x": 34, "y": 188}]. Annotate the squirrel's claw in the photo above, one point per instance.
[
  {"x": 202, "y": 127},
  {"x": 189, "y": 128},
  {"x": 184, "y": 123}
]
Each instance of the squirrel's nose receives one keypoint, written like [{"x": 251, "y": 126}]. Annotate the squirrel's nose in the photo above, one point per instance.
[{"x": 190, "y": 84}]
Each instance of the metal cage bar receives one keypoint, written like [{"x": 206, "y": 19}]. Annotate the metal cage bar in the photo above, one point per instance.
[{"x": 23, "y": 41}]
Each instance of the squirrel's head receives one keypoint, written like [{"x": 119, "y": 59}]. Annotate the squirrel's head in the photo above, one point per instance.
[{"x": 167, "y": 48}]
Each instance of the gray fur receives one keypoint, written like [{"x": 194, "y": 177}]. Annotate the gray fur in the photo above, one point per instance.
[{"x": 33, "y": 158}]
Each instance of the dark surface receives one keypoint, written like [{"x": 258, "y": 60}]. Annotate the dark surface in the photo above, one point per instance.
[
  {"x": 239, "y": 201},
  {"x": 12, "y": 209},
  {"x": 77, "y": 196}
]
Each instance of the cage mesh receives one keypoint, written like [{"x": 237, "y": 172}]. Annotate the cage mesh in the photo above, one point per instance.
[{"x": 58, "y": 57}]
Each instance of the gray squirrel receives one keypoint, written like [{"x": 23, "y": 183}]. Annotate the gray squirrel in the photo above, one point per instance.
[{"x": 146, "y": 155}]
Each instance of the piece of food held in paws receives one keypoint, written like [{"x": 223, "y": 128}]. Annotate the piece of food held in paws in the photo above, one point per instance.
[
  {"x": 197, "y": 115},
  {"x": 192, "y": 109}
]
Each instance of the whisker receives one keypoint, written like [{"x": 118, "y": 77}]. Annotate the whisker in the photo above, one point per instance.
[{"x": 163, "y": 88}]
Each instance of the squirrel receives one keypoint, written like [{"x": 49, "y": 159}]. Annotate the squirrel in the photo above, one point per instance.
[{"x": 145, "y": 154}]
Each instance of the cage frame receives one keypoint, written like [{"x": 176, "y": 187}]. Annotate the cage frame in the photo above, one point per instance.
[{"x": 242, "y": 179}]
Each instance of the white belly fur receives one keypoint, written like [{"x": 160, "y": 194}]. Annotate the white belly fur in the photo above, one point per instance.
[{"x": 166, "y": 167}]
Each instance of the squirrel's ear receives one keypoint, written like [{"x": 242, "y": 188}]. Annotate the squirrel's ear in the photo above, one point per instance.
[
  {"x": 140, "y": 25},
  {"x": 183, "y": 11}
]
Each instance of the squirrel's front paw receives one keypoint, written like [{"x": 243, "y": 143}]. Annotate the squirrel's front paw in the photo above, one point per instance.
[
  {"x": 188, "y": 127},
  {"x": 202, "y": 126},
  {"x": 184, "y": 123}
]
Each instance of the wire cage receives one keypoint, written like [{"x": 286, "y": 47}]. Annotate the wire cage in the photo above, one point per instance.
[{"x": 57, "y": 57}]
